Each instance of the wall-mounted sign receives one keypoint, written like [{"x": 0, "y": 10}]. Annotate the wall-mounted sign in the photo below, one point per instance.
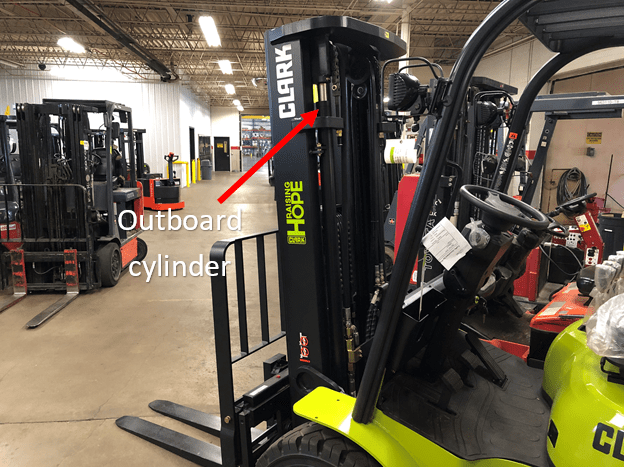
[{"x": 593, "y": 137}]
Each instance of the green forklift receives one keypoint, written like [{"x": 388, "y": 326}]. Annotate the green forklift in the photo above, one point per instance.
[{"x": 376, "y": 374}]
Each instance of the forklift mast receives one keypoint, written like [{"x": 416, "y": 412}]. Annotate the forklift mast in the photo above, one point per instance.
[
  {"x": 52, "y": 152},
  {"x": 330, "y": 189}
]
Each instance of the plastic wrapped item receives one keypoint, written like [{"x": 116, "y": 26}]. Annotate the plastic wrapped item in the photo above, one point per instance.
[
  {"x": 616, "y": 287},
  {"x": 605, "y": 329},
  {"x": 618, "y": 269},
  {"x": 605, "y": 274},
  {"x": 619, "y": 257}
]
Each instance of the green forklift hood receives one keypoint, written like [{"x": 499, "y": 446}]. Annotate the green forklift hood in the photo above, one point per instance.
[
  {"x": 392, "y": 444},
  {"x": 587, "y": 417},
  {"x": 586, "y": 427}
]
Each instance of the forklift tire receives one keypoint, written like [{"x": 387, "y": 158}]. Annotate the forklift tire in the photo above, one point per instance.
[
  {"x": 313, "y": 445},
  {"x": 109, "y": 258},
  {"x": 141, "y": 250}
]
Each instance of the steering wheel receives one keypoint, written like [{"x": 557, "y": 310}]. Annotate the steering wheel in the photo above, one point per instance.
[
  {"x": 504, "y": 208},
  {"x": 556, "y": 229},
  {"x": 573, "y": 207}
]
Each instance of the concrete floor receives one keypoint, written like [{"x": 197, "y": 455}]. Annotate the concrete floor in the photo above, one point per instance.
[{"x": 112, "y": 351}]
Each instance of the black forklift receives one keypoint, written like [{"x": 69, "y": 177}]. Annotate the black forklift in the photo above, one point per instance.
[
  {"x": 63, "y": 217},
  {"x": 421, "y": 391}
]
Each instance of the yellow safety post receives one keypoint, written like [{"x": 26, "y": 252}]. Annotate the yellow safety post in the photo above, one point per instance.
[{"x": 198, "y": 169}]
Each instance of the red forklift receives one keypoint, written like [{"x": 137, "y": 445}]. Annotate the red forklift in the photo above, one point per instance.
[
  {"x": 63, "y": 216},
  {"x": 159, "y": 194}
]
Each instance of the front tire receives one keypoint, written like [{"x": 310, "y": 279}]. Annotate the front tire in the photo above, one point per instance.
[
  {"x": 109, "y": 258},
  {"x": 141, "y": 250},
  {"x": 312, "y": 445}
]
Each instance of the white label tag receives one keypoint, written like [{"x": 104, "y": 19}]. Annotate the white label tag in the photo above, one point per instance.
[
  {"x": 446, "y": 243},
  {"x": 608, "y": 102}
]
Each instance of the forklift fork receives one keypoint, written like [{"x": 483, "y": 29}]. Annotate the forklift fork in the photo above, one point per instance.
[
  {"x": 240, "y": 442},
  {"x": 73, "y": 289}
]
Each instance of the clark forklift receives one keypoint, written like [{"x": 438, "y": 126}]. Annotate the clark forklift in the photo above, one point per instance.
[
  {"x": 62, "y": 218},
  {"x": 420, "y": 392}
]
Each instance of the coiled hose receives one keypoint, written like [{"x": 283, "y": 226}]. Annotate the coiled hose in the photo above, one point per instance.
[{"x": 571, "y": 178}]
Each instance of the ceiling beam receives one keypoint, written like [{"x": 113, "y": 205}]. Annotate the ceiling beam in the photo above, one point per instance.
[{"x": 91, "y": 12}]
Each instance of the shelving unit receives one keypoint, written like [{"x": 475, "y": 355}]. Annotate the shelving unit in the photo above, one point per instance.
[{"x": 255, "y": 136}]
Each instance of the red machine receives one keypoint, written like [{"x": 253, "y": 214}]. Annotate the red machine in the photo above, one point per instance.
[
  {"x": 161, "y": 194},
  {"x": 567, "y": 306},
  {"x": 584, "y": 236}
]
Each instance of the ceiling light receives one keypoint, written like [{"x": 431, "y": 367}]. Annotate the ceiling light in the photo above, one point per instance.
[
  {"x": 229, "y": 88},
  {"x": 71, "y": 45},
  {"x": 209, "y": 28},
  {"x": 386, "y": 99},
  {"x": 236, "y": 102},
  {"x": 240, "y": 108},
  {"x": 226, "y": 67},
  {"x": 11, "y": 63},
  {"x": 254, "y": 81}
]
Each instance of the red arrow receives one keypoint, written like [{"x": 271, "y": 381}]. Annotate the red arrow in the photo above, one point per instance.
[{"x": 307, "y": 118}]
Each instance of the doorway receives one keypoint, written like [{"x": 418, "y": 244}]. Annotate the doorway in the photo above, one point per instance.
[
  {"x": 192, "y": 143},
  {"x": 222, "y": 153}
]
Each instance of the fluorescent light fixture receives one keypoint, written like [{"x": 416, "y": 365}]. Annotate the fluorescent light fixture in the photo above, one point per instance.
[
  {"x": 236, "y": 102},
  {"x": 386, "y": 99},
  {"x": 10, "y": 63},
  {"x": 209, "y": 28},
  {"x": 240, "y": 108},
  {"x": 71, "y": 45},
  {"x": 229, "y": 88},
  {"x": 226, "y": 67}
]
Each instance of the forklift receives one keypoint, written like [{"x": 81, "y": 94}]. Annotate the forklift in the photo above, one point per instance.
[
  {"x": 421, "y": 391},
  {"x": 159, "y": 194},
  {"x": 63, "y": 215}
]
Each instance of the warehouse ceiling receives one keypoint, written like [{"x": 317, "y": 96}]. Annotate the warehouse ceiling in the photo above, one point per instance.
[{"x": 167, "y": 33}]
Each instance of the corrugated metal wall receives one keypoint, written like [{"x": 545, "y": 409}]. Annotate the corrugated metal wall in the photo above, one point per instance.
[
  {"x": 193, "y": 114},
  {"x": 155, "y": 107}
]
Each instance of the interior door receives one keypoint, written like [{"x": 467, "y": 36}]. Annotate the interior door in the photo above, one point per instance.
[
  {"x": 192, "y": 143},
  {"x": 222, "y": 153}
]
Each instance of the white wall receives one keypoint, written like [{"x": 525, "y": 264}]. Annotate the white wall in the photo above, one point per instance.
[
  {"x": 226, "y": 122},
  {"x": 195, "y": 114},
  {"x": 164, "y": 110},
  {"x": 568, "y": 147}
]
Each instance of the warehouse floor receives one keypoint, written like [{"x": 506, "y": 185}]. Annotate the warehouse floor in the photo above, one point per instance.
[{"x": 112, "y": 351}]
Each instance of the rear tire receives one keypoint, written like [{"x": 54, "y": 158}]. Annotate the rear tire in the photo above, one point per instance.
[
  {"x": 141, "y": 250},
  {"x": 109, "y": 258},
  {"x": 312, "y": 445}
]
